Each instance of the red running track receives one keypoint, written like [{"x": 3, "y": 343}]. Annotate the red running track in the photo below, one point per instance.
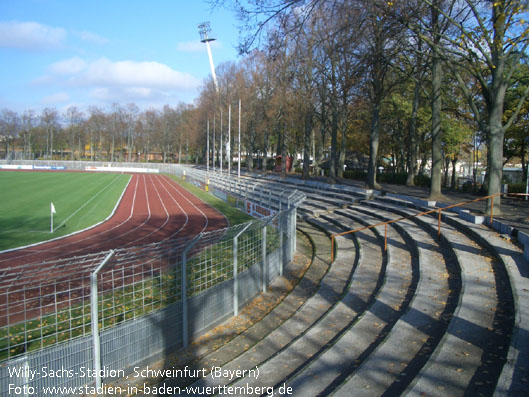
[{"x": 153, "y": 208}]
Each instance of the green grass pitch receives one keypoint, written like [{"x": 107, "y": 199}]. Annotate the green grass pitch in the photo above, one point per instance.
[{"x": 80, "y": 200}]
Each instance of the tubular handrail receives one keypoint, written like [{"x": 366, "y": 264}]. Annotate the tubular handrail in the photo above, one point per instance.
[{"x": 438, "y": 210}]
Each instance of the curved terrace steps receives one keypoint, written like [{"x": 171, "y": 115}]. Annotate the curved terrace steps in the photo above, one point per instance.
[
  {"x": 473, "y": 350},
  {"x": 364, "y": 286},
  {"x": 316, "y": 325},
  {"x": 472, "y": 331},
  {"x": 433, "y": 316},
  {"x": 397, "y": 281},
  {"x": 411, "y": 332},
  {"x": 514, "y": 378}
]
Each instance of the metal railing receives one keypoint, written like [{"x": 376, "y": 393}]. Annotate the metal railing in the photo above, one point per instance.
[{"x": 436, "y": 210}]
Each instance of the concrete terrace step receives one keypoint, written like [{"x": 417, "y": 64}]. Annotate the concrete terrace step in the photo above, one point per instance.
[
  {"x": 365, "y": 284},
  {"x": 513, "y": 379},
  {"x": 418, "y": 330},
  {"x": 346, "y": 193},
  {"x": 364, "y": 335},
  {"x": 308, "y": 211},
  {"x": 321, "y": 199},
  {"x": 320, "y": 186},
  {"x": 286, "y": 339},
  {"x": 473, "y": 350}
]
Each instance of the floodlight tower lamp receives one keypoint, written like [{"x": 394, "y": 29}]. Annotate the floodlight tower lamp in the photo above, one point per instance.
[{"x": 204, "y": 28}]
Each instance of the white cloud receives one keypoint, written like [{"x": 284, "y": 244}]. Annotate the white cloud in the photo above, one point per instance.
[
  {"x": 69, "y": 66},
  {"x": 136, "y": 74},
  {"x": 30, "y": 36},
  {"x": 91, "y": 37},
  {"x": 124, "y": 94},
  {"x": 120, "y": 81},
  {"x": 132, "y": 74},
  {"x": 59, "y": 97},
  {"x": 195, "y": 46}
]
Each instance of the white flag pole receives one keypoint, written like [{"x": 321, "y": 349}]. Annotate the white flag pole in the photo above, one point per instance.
[{"x": 52, "y": 211}]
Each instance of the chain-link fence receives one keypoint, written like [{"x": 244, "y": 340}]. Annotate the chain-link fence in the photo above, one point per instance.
[{"x": 104, "y": 313}]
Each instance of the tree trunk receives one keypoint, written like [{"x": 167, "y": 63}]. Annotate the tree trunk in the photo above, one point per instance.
[
  {"x": 437, "y": 155},
  {"x": 72, "y": 145},
  {"x": 343, "y": 149},
  {"x": 373, "y": 148},
  {"x": 334, "y": 139},
  {"x": 495, "y": 107},
  {"x": 446, "y": 168},
  {"x": 413, "y": 149},
  {"x": 306, "y": 144},
  {"x": 496, "y": 136},
  {"x": 265, "y": 150},
  {"x": 453, "y": 183},
  {"x": 524, "y": 164},
  {"x": 251, "y": 148}
]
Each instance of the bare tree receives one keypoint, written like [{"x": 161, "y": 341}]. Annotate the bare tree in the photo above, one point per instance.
[
  {"x": 74, "y": 118},
  {"x": 9, "y": 130},
  {"x": 50, "y": 120},
  {"x": 29, "y": 119}
]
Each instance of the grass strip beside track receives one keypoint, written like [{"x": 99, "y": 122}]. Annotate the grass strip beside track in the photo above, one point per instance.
[
  {"x": 234, "y": 215},
  {"x": 80, "y": 199}
]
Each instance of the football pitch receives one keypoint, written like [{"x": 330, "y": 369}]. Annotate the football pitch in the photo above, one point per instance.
[{"x": 80, "y": 200}]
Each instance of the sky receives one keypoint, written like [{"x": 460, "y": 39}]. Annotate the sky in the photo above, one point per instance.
[{"x": 62, "y": 53}]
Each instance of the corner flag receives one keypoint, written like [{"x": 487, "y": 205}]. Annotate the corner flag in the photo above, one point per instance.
[{"x": 52, "y": 212}]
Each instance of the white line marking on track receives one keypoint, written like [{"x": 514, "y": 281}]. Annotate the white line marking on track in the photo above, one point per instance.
[
  {"x": 189, "y": 201},
  {"x": 167, "y": 216}
]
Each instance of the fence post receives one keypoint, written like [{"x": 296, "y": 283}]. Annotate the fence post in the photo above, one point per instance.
[
  {"x": 235, "y": 277},
  {"x": 281, "y": 226},
  {"x": 294, "y": 237},
  {"x": 292, "y": 232},
  {"x": 183, "y": 288},
  {"x": 264, "y": 267},
  {"x": 94, "y": 318},
  {"x": 185, "y": 327},
  {"x": 236, "y": 270}
]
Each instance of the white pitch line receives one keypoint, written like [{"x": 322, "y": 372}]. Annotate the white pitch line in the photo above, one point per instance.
[
  {"x": 32, "y": 252},
  {"x": 88, "y": 202}
]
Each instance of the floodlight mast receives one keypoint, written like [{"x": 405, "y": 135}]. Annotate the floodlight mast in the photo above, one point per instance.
[{"x": 204, "y": 28}]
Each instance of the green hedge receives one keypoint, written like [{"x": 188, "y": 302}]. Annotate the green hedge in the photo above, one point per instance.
[
  {"x": 388, "y": 177},
  {"x": 517, "y": 187},
  {"x": 350, "y": 174}
]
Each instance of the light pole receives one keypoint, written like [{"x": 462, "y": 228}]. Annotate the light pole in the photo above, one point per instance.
[
  {"x": 204, "y": 29},
  {"x": 239, "y": 144}
]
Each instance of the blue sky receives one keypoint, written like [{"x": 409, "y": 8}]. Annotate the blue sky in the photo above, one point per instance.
[{"x": 59, "y": 53}]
